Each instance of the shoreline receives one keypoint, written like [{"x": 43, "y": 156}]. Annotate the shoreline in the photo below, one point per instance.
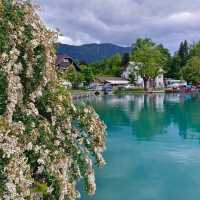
[{"x": 87, "y": 94}]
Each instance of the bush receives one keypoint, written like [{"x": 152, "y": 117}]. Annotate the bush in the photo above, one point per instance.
[{"x": 46, "y": 143}]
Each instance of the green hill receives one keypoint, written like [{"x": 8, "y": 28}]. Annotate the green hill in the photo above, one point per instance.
[{"x": 91, "y": 52}]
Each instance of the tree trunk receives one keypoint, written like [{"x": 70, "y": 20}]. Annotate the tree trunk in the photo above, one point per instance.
[
  {"x": 154, "y": 83},
  {"x": 145, "y": 83}
]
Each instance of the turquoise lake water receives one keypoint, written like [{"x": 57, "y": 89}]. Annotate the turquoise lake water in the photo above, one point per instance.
[{"x": 153, "y": 148}]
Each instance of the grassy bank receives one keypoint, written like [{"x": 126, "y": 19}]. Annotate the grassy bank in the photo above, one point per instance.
[{"x": 122, "y": 91}]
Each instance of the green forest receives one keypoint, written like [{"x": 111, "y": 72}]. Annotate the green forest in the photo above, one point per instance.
[{"x": 183, "y": 64}]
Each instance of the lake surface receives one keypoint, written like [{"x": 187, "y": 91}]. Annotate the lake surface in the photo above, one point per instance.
[{"x": 153, "y": 148}]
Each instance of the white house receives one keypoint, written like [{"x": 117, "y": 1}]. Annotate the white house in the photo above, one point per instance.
[
  {"x": 132, "y": 67},
  {"x": 115, "y": 82}
]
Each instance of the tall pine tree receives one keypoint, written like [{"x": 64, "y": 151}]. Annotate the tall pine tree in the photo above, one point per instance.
[
  {"x": 183, "y": 53},
  {"x": 179, "y": 60}
]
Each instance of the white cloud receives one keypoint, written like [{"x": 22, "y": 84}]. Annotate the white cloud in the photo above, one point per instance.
[
  {"x": 68, "y": 40},
  {"x": 84, "y": 40},
  {"x": 182, "y": 17},
  {"x": 123, "y": 21}
]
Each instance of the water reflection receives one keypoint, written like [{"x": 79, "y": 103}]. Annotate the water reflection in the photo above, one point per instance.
[
  {"x": 150, "y": 151},
  {"x": 153, "y": 114}
]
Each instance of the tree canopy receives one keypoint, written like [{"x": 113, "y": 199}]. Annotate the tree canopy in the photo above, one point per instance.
[
  {"x": 110, "y": 66},
  {"x": 149, "y": 58},
  {"x": 179, "y": 60},
  {"x": 125, "y": 59},
  {"x": 191, "y": 72},
  {"x": 195, "y": 49}
]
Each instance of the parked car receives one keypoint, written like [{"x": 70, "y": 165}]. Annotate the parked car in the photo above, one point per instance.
[{"x": 129, "y": 86}]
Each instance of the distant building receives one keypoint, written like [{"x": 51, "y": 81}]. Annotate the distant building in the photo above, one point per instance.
[
  {"x": 114, "y": 81},
  {"x": 132, "y": 67},
  {"x": 64, "y": 61},
  {"x": 175, "y": 83},
  {"x": 102, "y": 81}
]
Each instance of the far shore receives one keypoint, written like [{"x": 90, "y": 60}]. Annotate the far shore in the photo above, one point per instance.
[{"x": 80, "y": 94}]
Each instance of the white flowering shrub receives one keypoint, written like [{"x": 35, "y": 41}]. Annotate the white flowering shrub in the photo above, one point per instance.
[{"x": 46, "y": 143}]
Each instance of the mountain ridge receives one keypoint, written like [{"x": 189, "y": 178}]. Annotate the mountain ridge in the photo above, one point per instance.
[{"x": 92, "y": 52}]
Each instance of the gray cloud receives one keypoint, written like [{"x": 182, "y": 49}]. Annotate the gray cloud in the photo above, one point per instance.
[{"x": 123, "y": 21}]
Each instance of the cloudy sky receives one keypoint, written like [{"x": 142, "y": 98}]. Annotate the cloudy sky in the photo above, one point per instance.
[{"x": 123, "y": 21}]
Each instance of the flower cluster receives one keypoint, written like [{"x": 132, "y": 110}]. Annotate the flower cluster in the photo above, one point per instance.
[{"x": 46, "y": 142}]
